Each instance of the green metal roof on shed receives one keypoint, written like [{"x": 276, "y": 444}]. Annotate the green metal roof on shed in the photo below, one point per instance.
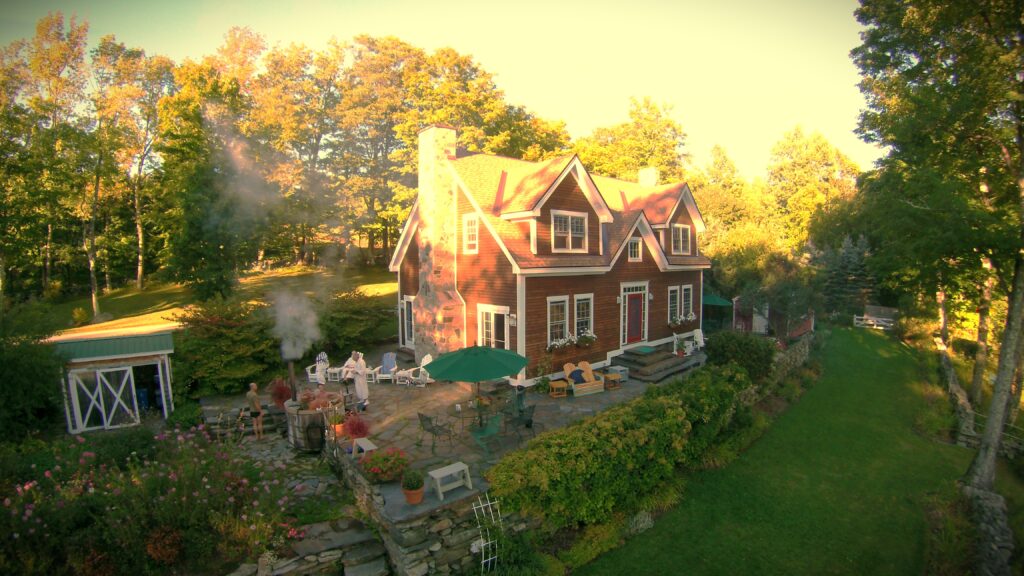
[{"x": 116, "y": 347}]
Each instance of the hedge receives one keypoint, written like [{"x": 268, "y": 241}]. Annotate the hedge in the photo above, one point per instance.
[
  {"x": 586, "y": 471},
  {"x": 754, "y": 353}
]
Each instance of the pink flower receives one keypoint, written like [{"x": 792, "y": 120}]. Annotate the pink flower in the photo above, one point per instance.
[
  {"x": 80, "y": 439},
  {"x": 48, "y": 474}
]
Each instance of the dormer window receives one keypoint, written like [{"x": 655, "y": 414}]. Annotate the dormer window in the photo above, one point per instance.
[
  {"x": 470, "y": 234},
  {"x": 568, "y": 231},
  {"x": 680, "y": 239},
  {"x": 634, "y": 250}
]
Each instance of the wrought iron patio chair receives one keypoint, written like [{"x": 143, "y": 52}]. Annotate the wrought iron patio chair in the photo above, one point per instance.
[
  {"x": 435, "y": 428},
  {"x": 489, "y": 432}
]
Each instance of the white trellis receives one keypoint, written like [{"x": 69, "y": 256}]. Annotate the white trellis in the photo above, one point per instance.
[
  {"x": 488, "y": 520},
  {"x": 103, "y": 399}
]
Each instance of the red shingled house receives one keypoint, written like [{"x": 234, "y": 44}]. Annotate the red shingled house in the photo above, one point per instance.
[{"x": 520, "y": 255}]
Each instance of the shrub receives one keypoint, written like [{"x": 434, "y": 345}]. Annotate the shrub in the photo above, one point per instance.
[
  {"x": 592, "y": 542},
  {"x": 225, "y": 344},
  {"x": 79, "y": 317},
  {"x": 280, "y": 392},
  {"x": 350, "y": 321},
  {"x": 356, "y": 427},
  {"x": 187, "y": 413},
  {"x": 384, "y": 465},
  {"x": 581, "y": 473},
  {"x": 31, "y": 373},
  {"x": 751, "y": 352}
]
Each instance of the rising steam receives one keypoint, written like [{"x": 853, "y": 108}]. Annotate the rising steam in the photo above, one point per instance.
[{"x": 295, "y": 323}]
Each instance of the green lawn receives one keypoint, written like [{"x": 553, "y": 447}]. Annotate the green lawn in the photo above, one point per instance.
[
  {"x": 129, "y": 307},
  {"x": 836, "y": 486}
]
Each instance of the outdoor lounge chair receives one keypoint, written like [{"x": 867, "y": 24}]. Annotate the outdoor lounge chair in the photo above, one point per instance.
[
  {"x": 488, "y": 432},
  {"x": 416, "y": 376},
  {"x": 434, "y": 428},
  {"x": 317, "y": 373},
  {"x": 386, "y": 371},
  {"x": 590, "y": 385}
]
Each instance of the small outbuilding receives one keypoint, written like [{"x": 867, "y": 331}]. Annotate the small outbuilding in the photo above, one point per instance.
[{"x": 112, "y": 380}]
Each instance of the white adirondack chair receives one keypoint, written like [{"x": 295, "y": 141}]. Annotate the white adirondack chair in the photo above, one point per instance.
[
  {"x": 317, "y": 373},
  {"x": 386, "y": 371},
  {"x": 417, "y": 376}
]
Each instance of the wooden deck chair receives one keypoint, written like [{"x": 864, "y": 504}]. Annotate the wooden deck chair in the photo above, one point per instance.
[
  {"x": 416, "y": 376},
  {"x": 317, "y": 373},
  {"x": 386, "y": 371},
  {"x": 588, "y": 372}
]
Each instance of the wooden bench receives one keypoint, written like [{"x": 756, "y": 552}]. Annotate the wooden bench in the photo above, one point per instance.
[
  {"x": 459, "y": 473},
  {"x": 362, "y": 447},
  {"x": 591, "y": 384}
]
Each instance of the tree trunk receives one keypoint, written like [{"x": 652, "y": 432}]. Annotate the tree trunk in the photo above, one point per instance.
[
  {"x": 3, "y": 277},
  {"x": 1013, "y": 410},
  {"x": 90, "y": 242},
  {"x": 47, "y": 258},
  {"x": 940, "y": 299},
  {"x": 139, "y": 233},
  {"x": 981, "y": 356}
]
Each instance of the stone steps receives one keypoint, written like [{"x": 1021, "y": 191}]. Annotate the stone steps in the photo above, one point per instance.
[
  {"x": 324, "y": 545},
  {"x": 657, "y": 365}
]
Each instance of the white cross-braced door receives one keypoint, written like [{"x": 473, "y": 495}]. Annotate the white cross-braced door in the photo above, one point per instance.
[{"x": 103, "y": 399}]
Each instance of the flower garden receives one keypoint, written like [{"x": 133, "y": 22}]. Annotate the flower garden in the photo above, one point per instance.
[{"x": 136, "y": 503}]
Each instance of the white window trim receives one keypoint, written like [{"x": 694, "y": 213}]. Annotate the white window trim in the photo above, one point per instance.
[
  {"x": 410, "y": 339},
  {"x": 494, "y": 310},
  {"x": 684, "y": 289},
  {"x": 575, "y": 302},
  {"x": 672, "y": 289},
  {"x": 639, "y": 250},
  {"x": 547, "y": 327},
  {"x": 586, "y": 232},
  {"x": 686, "y": 233},
  {"x": 466, "y": 218}
]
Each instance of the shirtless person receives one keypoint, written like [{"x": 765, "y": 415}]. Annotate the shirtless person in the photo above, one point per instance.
[{"x": 255, "y": 410}]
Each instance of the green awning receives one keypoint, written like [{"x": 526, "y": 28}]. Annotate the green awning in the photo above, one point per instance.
[
  {"x": 116, "y": 347},
  {"x": 712, "y": 299}
]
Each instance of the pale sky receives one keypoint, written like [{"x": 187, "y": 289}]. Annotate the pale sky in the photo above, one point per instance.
[{"x": 738, "y": 73}]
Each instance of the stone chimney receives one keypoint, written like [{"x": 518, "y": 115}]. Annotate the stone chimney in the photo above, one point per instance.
[
  {"x": 437, "y": 310},
  {"x": 648, "y": 176}
]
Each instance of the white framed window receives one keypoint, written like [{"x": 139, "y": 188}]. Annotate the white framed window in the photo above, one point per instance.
[
  {"x": 408, "y": 325},
  {"x": 584, "y": 319},
  {"x": 568, "y": 231},
  {"x": 673, "y": 304},
  {"x": 470, "y": 233},
  {"x": 492, "y": 326},
  {"x": 681, "y": 239},
  {"x": 635, "y": 254},
  {"x": 558, "y": 318},
  {"x": 687, "y": 301}
]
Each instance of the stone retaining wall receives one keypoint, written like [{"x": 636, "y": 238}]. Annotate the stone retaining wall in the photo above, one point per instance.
[
  {"x": 791, "y": 358},
  {"x": 430, "y": 538},
  {"x": 995, "y": 539},
  {"x": 965, "y": 433}
]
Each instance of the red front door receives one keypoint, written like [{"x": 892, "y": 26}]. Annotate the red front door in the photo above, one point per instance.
[{"x": 634, "y": 317}]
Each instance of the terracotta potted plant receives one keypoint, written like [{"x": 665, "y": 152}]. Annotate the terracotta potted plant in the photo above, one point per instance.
[
  {"x": 412, "y": 486},
  {"x": 337, "y": 422}
]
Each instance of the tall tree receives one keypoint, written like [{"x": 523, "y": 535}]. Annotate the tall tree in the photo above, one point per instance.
[
  {"x": 806, "y": 175},
  {"x": 944, "y": 83},
  {"x": 650, "y": 138},
  {"x": 57, "y": 78}
]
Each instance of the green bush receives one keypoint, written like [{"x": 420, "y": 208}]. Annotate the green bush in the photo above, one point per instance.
[
  {"x": 582, "y": 473},
  {"x": 187, "y": 413},
  {"x": 350, "y": 322},
  {"x": 225, "y": 344},
  {"x": 31, "y": 373},
  {"x": 753, "y": 353},
  {"x": 592, "y": 542}
]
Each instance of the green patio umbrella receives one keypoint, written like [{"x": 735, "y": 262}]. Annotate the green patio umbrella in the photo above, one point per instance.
[{"x": 475, "y": 364}]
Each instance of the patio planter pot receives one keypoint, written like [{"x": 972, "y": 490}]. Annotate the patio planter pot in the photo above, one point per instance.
[{"x": 413, "y": 497}]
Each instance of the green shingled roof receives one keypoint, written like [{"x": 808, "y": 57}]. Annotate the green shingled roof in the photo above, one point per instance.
[{"x": 116, "y": 346}]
